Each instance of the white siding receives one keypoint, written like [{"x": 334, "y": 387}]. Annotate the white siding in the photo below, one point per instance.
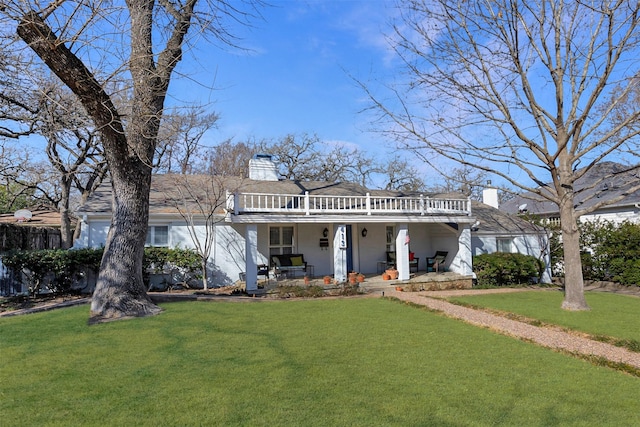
[
  {"x": 229, "y": 254},
  {"x": 615, "y": 217},
  {"x": 528, "y": 245}
]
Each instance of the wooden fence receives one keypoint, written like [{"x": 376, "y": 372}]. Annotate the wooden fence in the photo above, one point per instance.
[
  {"x": 26, "y": 238},
  {"x": 23, "y": 237}
]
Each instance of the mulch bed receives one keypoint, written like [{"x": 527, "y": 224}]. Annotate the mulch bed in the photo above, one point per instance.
[{"x": 15, "y": 303}]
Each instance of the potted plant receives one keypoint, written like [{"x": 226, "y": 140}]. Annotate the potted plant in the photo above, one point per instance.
[
  {"x": 393, "y": 273},
  {"x": 327, "y": 280},
  {"x": 360, "y": 278}
]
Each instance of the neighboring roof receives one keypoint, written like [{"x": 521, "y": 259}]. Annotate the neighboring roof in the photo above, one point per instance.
[
  {"x": 39, "y": 218},
  {"x": 494, "y": 221},
  {"x": 619, "y": 180}
]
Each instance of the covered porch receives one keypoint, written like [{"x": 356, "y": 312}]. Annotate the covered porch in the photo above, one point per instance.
[{"x": 336, "y": 235}]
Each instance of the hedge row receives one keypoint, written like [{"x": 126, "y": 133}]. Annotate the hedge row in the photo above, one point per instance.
[
  {"x": 611, "y": 251},
  {"x": 59, "y": 269}
]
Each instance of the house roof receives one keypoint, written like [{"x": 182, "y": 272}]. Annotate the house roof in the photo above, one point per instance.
[
  {"x": 164, "y": 193},
  {"x": 494, "y": 221},
  {"x": 605, "y": 181}
]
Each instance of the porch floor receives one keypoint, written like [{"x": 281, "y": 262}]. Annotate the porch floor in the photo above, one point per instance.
[{"x": 420, "y": 281}]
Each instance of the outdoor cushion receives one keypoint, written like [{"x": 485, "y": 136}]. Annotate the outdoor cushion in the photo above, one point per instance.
[{"x": 287, "y": 261}]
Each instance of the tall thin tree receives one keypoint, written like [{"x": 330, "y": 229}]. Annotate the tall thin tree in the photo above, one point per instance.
[{"x": 527, "y": 90}]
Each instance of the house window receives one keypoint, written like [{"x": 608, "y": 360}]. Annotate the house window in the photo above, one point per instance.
[
  {"x": 504, "y": 244},
  {"x": 391, "y": 238},
  {"x": 280, "y": 240},
  {"x": 157, "y": 235}
]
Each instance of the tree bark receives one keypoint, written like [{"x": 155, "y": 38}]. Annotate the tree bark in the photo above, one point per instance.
[
  {"x": 205, "y": 275},
  {"x": 574, "y": 299},
  {"x": 120, "y": 290},
  {"x": 65, "y": 220}
]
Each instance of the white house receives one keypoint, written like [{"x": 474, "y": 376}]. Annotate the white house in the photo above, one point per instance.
[
  {"x": 336, "y": 227},
  {"x": 496, "y": 231}
]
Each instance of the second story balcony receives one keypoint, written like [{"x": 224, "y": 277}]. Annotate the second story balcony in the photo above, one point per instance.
[{"x": 311, "y": 204}]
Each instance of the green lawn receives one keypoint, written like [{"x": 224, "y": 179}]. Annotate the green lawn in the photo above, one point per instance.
[
  {"x": 612, "y": 315},
  {"x": 357, "y": 362}
]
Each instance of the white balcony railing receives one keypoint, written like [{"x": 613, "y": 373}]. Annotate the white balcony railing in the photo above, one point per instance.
[{"x": 308, "y": 204}]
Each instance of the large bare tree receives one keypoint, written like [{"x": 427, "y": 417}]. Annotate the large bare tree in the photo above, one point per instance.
[
  {"x": 400, "y": 175},
  {"x": 14, "y": 163},
  {"x": 229, "y": 158},
  {"x": 74, "y": 151},
  {"x": 306, "y": 157},
  {"x": 527, "y": 90},
  {"x": 73, "y": 147},
  {"x": 141, "y": 42},
  {"x": 180, "y": 148}
]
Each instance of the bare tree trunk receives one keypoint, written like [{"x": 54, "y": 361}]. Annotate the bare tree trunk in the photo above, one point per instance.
[
  {"x": 66, "y": 236},
  {"x": 119, "y": 293},
  {"x": 573, "y": 281},
  {"x": 205, "y": 276}
]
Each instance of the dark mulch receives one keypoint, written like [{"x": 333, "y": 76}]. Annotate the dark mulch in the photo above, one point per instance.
[{"x": 25, "y": 302}]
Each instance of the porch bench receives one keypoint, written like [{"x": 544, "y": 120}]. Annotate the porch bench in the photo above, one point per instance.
[{"x": 288, "y": 264}]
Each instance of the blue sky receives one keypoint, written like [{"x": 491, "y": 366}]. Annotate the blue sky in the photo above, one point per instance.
[{"x": 295, "y": 75}]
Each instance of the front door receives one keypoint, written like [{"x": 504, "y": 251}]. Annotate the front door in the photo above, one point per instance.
[{"x": 349, "y": 249}]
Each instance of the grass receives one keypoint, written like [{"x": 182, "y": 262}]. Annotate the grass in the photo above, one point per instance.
[
  {"x": 611, "y": 315},
  {"x": 350, "y": 362}
]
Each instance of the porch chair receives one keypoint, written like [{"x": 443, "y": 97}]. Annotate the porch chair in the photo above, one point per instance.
[
  {"x": 391, "y": 260},
  {"x": 433, "y": 263}
]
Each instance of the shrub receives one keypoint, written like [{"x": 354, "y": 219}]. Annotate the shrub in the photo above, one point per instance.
[
  {"x": 503, "y": 269},
  {"x": 349, "y": 289},
  {"x": 296, "y": 291},
  {"x": 611, "y": 251},
  {"x": 158, "y": 259},
  {"x": 58, "y": 270}
]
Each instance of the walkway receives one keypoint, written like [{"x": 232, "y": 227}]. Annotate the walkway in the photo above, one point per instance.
[{"x": 549, "y": 337}]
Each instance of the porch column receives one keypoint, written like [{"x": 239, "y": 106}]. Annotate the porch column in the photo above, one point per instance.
[
  {"x": 463, "y": 261},
  {"x": 402, "y": 252},
  {"x": 251, "y": 257},
  {"x": 340, "y": 253}
]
